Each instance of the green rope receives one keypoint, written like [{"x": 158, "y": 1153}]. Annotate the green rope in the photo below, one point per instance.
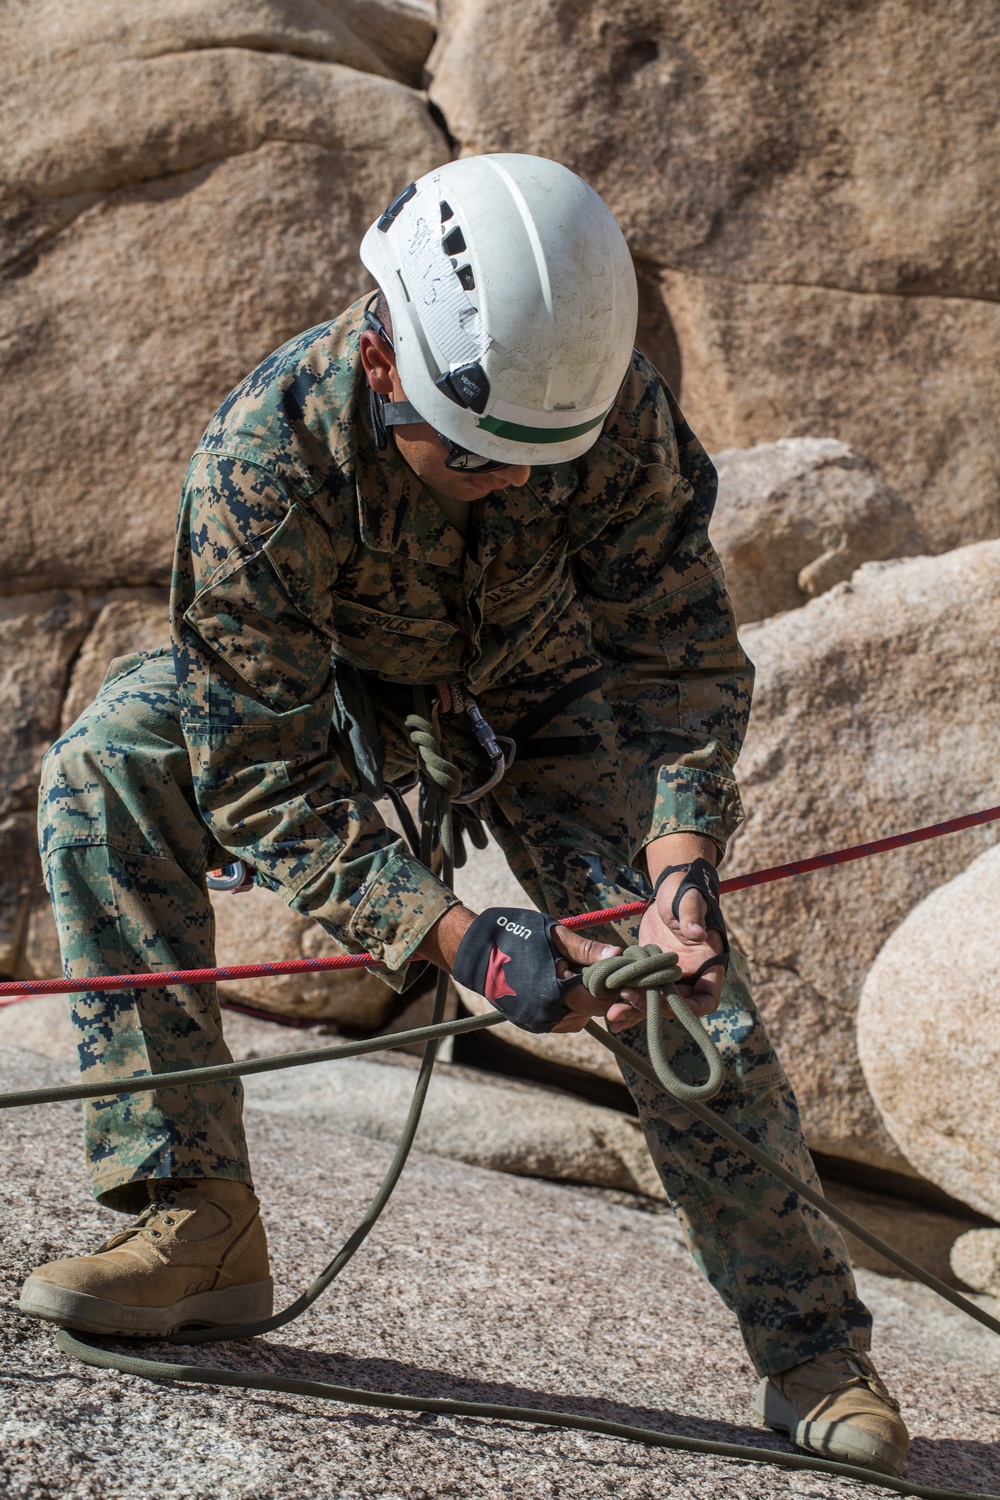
[
  {"x": 145, "y": 1082},
  {"x": 638, "y": 967},
  {"x": 657, "y": 972},
  {"x": 149, "y": 1369}
]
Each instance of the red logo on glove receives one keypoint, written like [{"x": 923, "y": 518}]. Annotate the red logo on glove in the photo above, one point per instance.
[{"x": 496, "y": 986}]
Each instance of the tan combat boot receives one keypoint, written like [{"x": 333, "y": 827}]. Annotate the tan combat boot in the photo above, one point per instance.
[
  {"x": 196, "y": 1255},
  {"x": 836, "y": 1405}
]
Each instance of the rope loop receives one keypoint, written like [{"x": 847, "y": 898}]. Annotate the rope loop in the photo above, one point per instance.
[
  {"x": 441, "y": 771},
  {"x": 657, "y": 973},
  {"x": 637, "y": 968}
]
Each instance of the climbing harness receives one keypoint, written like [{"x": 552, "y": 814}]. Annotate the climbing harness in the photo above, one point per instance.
[
  {"x": 356, "y": 729},
  {"x": 499, "y": 749},
  {"x": 646, "y": 968},
  {"x": 569, "y": 690}
]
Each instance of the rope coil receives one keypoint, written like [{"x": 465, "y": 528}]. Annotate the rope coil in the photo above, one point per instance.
[{"x": 656, "y": 972}]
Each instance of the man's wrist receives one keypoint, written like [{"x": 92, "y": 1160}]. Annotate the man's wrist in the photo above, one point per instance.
[
  {"x": 678, "y": 849},
  {"x": 441, "y": 941}
]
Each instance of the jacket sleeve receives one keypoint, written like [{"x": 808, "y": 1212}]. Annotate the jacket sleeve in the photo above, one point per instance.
[
  {"x": 256, "y": 684},
  {"x": 677, "y": 677}
]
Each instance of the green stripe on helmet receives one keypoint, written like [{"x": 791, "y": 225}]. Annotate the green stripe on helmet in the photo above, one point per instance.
[{"x": 518, "y": 434}]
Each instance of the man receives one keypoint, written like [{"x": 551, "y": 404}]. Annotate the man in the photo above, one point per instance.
[{"x": 469, "y": 482}]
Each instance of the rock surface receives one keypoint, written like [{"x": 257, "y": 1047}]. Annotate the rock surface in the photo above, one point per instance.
[
  {"x": 256, "y": 926},
  {"x": 522, "y": 1128},
  {"x": 797, "y": 516},
  {"x": 39, "y": 634},
  {"x": 186, "y": 188},
  {"x": 863, "y": 725},
  {"x": 19, "y": 877},
  {"x": 927, "y": 1035},
  {"x": 470, "y": 1116},
  {"x": 130, "y": 620},
  {"x": 811, "y": 189},
  {"x": 927, "y": 1236},
  {"x": 473, "y": 1286},
  {"x": 486, "y": 1122},
  {"x": 910, "y": 381},
  {"x": 975, "y": 1257}
]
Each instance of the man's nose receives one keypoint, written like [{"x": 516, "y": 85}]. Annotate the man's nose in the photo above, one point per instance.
[{"x": 515, "y": 475}]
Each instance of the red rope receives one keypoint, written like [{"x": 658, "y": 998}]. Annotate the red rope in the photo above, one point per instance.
[
  {"x": 16, "y": 990},
  {"x": 804, "y": 866}
]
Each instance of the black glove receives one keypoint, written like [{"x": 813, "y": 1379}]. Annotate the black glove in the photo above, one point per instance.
[
  {"x": 703, "y": 877},
  {"x": 508, "y": 956}
]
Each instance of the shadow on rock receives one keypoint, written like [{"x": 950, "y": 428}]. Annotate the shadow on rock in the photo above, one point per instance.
[
  {"x": 949, "y": 1462},
  {"x": 954, "y": 1461}
]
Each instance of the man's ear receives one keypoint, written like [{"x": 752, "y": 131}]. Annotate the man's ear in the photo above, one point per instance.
[{"x": 378, "y": 363}]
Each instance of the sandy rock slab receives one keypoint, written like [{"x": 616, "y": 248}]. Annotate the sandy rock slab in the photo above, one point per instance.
[
  {"x": 127, "y": 620},
  {"x": 810, "y": 183},
  {"x": 911, "y": 382},
  {"x": 528, "y": 1129},
  {"x": 475, "y": 1286},
  {"x": 519, "y": 1127},
  {"x": 975, "y": 1257},
  {"x": 186, "y": 189},
  {"x": 874, "y": 713},
  {"x": 799, "y": 146},
  {"x": 927, "y": 1036},
  {"x": 20, "y": 876},
  {"x": 39, "y": 635},
  {"x": 797, "y": 516}
]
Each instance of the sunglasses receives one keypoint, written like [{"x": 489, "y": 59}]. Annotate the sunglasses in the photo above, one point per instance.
[{"x": 456, "y": 457}]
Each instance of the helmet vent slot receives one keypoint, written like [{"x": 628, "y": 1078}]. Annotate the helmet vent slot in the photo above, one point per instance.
[
  {"x": 454, "y": 242},
  {"x": 447, "y": 212},
  {"x": 467, "y": 277}
]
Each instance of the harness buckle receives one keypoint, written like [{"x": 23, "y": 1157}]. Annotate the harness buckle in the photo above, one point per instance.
[
  {"x": 500, "y": 749},
  {"x": 239, "y": 876}
]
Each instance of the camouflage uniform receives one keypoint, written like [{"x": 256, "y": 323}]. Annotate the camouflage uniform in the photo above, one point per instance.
[{"x": 301, "y": 548}]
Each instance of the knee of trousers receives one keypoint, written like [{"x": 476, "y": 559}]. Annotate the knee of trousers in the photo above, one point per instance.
[
  {"x": 97, "y": 788},
  {"x": 74, "y": 786}
]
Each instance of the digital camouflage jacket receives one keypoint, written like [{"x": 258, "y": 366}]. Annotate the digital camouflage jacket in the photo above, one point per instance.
[{"x": 299, "y": 544}]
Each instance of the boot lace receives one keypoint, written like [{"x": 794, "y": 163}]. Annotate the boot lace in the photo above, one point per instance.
[{"x": 164, "y": 1201}]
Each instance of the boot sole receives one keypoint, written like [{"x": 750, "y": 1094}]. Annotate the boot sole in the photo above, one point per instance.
[
  {"x": 841, "y": 1441},
  {"x": 229, "y": 1306}
]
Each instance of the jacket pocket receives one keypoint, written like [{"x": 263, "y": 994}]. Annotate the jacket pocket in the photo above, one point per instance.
[
  {"x": 248, "y": 621},
  {"x": 518, "y": 596},
  {"x": 400, "y": 648}
]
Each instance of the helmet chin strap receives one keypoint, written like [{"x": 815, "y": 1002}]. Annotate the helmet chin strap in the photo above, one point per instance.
[
  {"x": 400, "y": 413},
  {"x": 385, "y": 414}
]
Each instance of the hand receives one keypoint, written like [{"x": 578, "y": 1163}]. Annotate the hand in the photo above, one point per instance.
[
  {"x": 441, "y": 944},
  {"x": 581, "y": 951},
  {"x": 688, "y": 937}
]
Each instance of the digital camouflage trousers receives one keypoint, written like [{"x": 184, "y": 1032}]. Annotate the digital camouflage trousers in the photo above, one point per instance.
[{"x": 126, "y": 854}]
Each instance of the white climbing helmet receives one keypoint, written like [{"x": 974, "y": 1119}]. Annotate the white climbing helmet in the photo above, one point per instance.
[{"x": 513, "y": 303}]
